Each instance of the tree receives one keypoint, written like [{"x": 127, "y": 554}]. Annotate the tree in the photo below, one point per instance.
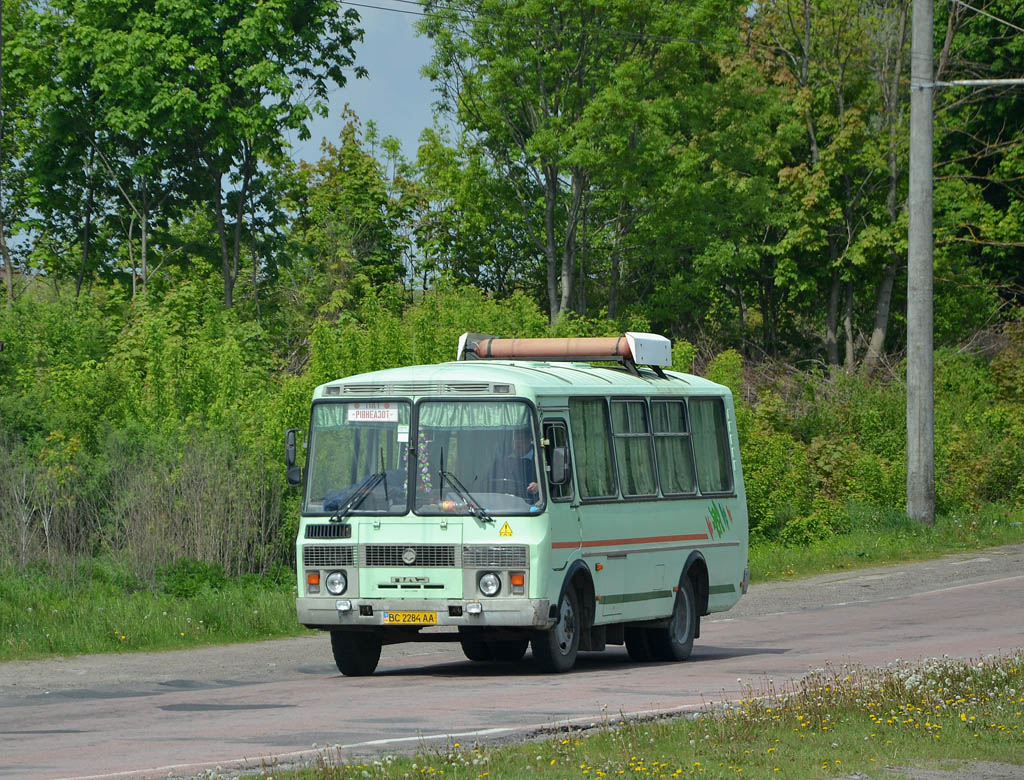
[
  {"x": 197, "y": 96},
  {"x": 350, "y": 220},
  {"x": 529, "y": 82},
  {"x": 470, "y": 224}
]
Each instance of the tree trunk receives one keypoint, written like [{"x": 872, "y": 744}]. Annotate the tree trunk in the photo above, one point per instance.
[
  {"x": 832, "y": 316},
  {"x": 86, "y": 229},
  {"x": 883, "y": 302},
  {"x": 550, "y": 252},
  {"x": 218, "y": 207},
  {"x": 572, "y": 224},
  {"x": 144, "y": 224},
  {"x": 5, "y": 254},
  {"x": 581, "y": 281},
  {"x": 848, "y": 326},
  {"x": 613, "y": 281},
  {"x": 243, "y": 196}
]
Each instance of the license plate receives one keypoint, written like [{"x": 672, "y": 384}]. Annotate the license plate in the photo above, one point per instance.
[{"x": 411, "y": 618}]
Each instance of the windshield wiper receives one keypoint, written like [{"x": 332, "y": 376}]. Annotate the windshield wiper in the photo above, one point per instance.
[
  {"x": 474, "y": 506},
  {"x": 357, "y": 496}
]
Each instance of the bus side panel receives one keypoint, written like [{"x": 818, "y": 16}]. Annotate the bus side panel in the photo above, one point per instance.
[{"x": 728, "y": 526}]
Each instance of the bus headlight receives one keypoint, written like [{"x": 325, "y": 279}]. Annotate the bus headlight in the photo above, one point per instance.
[
  {"x": 489, "y": 584},
  {"x": 336, "y": 583}
]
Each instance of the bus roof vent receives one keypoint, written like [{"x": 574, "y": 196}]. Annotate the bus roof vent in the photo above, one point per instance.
[
  {"x": 630, "y": 349},
  {"x": 416, "y": 388},
  {"x": 365, "y": 388},
  {"x": 467, "y": 387}
]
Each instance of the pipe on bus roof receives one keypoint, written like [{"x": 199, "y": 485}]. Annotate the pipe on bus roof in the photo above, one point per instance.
[{"x": 609, "y": 348}]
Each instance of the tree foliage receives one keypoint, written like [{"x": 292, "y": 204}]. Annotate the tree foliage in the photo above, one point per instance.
[{"x": 731, "y": 175}]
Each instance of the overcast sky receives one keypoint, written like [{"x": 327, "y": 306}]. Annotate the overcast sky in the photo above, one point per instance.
[{"x": 394, "y": 94}]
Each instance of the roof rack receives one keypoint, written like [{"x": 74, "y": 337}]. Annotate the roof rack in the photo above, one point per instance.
[{"x": 629, "y": 349}]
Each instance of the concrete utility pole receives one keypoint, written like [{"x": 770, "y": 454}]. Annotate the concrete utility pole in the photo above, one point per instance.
[{"x": 920, "y": 355}]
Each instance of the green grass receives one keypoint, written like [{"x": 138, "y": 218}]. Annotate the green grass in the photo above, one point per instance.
[
  {"x": 833, "y": 723},
  {"x": 881, "y": 538},
  {"x": 42, "y": 615},
  {"x": 102, "y": 609}
]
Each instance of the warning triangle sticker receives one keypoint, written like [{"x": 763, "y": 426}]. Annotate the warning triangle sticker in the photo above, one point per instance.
[{"x": 506, "y": 530}]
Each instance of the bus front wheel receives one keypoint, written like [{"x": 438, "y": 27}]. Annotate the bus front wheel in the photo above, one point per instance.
[
  {"x": 675, "y": 642},
  {"x": 508, "y": 651},
  {"x": 356, "y": 653},
  {"x": 555, "y": 650}
]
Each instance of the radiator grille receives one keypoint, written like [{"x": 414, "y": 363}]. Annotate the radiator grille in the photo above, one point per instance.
[
  {"x": 329, "y": 531},
  {"x": 323, "y": 555},
  {"x": 505, "y": 556},
  {"x": 426, "y": 555}
]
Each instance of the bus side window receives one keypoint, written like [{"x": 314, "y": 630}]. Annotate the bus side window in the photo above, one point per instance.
[
  {"x": 711, "y": 445},
  {"x": 556, "y": 436}
]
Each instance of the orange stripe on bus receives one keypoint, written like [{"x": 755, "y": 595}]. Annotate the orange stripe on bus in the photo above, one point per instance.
[{"x": 638, "y": 540}]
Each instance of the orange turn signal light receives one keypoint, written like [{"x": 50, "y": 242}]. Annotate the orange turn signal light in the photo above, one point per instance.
[
  {"x": 312, "y": 578},
  {"x": 518, "y": 578}
]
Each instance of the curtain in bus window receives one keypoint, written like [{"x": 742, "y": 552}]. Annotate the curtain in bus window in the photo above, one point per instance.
[
  {"x": 591, "y": 448},
  {"x": 633, "y": 448},
  {"x": 672, "y": 447},
  {"x": 481, "y": 444},
  {"x": 711, "y": 445},
  {"x": 470, "y": 416}
]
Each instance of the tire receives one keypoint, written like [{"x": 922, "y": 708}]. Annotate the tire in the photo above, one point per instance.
[
  {"x": 473, "y": 648},
  {"x": 476, "y": 650},
  {"x": 675, "y": 642},
  {"x": 356, "y": 653},
  {"x": 555, "y": 649},
  {"x": 638, "y": 644},
  {"x": 508, "y": 651}
]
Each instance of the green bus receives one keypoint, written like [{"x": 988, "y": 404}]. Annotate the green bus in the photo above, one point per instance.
[{"x": 557, "y": 494}]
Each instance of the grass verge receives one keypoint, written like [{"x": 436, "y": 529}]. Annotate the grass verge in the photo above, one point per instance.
[
  {"x": 832, "y": 723},
  {"x": 43, "y": 616},
  {"x": 878, "y": 538}
]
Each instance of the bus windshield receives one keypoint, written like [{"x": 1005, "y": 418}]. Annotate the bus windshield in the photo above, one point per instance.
[
  {"x": 358, "y": 458},
  {"x": 476, "y": 453}
]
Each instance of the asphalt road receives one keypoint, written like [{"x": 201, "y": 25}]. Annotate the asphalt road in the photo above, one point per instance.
[{"x": 176, "y": 713}]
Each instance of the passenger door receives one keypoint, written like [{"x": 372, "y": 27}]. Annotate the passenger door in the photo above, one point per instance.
[{"x": 563, "y": 505}]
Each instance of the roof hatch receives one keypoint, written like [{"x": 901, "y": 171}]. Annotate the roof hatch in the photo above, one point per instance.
[{"x": 629, "y": 349}]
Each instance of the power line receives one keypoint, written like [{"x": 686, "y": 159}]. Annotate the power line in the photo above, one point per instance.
[
  {"x": 986, "y": 13},
  {"x": 468, "y": 15}
]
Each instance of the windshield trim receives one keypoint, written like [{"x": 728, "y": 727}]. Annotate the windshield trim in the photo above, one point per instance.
[
  {"x": 305, "y": 509},
  {"x": 542, "y": 501}
]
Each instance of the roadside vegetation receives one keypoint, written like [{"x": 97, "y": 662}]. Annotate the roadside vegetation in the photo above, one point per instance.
[
  {"x": 142, "y": 485},
  {"x": 834, "y": 722},
  {"x": 102, "y": 608}
]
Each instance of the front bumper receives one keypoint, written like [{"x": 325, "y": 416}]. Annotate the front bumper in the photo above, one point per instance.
[{"x": 322, "y": 612}]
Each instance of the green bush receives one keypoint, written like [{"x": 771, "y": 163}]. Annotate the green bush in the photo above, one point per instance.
[{"x": 186, "y": 578}]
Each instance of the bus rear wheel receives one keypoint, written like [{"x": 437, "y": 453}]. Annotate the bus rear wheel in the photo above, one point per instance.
[
  {"x": 675, "y": 642},
  {"x": 638, "y": 644},
  {"x": 355, "y": 652},
  {"x": 555, "y": 649}
]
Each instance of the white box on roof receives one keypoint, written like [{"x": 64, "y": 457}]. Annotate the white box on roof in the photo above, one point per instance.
[{"x": 649, "y": 349}]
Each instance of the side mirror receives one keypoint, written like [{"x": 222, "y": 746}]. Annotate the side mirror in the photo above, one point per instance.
[
  {"x": 294, "y": 473},
  {"x": 559, "y": 465}
]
